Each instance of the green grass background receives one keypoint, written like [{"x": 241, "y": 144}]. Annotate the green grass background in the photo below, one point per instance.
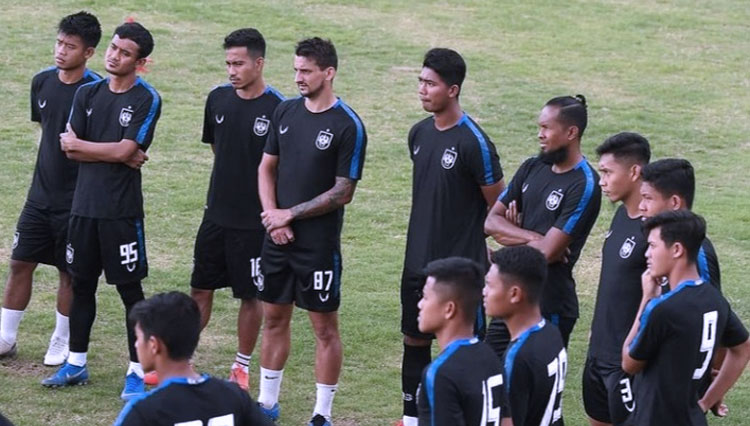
[{"x": 675, "y": 71}]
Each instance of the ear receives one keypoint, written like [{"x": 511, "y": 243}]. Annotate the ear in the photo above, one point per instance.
[
  {"x": 451, "y": 309},
  {"x": 453, "y": 91},
  {"x": 635, "y": 172},
  {"x": 678, "y": 250},
  {"x": 259, "y": 62},
  {"x": 676, "y": 202},
  {"x": 141, "y": 62},
  {"x": 516, "y": 294},
  {"x": 89, "y": 52},
  {"x": 572, "y": 133},
  {"x": 156, "y": 346},
  {"x": 330, "y": 73}
]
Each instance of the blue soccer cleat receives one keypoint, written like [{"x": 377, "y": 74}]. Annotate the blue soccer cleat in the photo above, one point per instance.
[
  {"x": 134, "y": 387},
  {"x": 67, "y": 375},
  {"x": 319, "y": 420},
  {"x": 272, "y": 413}
]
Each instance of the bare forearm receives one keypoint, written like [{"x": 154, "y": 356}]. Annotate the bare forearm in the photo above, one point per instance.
[
  {"x": 108, "y": 152},
  {"x": 507, "y": 233},
  {"x": 333, "y": 199},
  {"x": 267, "y": 189}
]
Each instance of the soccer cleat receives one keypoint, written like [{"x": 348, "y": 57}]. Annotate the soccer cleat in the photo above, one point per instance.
[
  {"x": 7, "y": 350},
  {"x": 400, "y": 422},
  {"x": 57, "y": 352},
  {"x": 272, "y": 413},
  {"x": 133, "y": 387},
  {"x": 319, "y": 420},
  {"x": 239, "y": 376},
  {"x": 67, "y": 375},
  {"x": 151, "y": 378}
]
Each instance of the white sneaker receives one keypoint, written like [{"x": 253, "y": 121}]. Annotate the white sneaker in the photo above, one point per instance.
[
  {"x": 57, "y": 352},
  {"x": 7, "y": 350}
]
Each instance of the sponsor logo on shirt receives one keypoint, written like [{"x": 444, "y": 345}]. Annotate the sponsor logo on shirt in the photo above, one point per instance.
[
  {"x": 89, "y": 111},
  {"x": 323, "y": 141},
  {"x": 524, "y": 187},
  {"x": 219, "y": 120},
  {"x": 554, "y": 199},
  {"x": 448, "y": 160},
  {"x": 283, "y": 130},
  {"x": 627, "y": 248},
  {"x": 41, "y": 104},
  {"x": 416, "y": 149},
  {"x": 261, "y": 126},
  {"x": 126, "y": 114}
]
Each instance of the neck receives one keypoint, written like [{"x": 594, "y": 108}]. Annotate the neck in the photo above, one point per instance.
[
  {"x": 633, "y": 200},
  {"x": 574, "y": 157},
  {"x": 523, "y": 320},
  {"x": 452, "y": 332},
  {"x": 252, "y": 91},
  {"x": 683, "y": 271},
  {"x": 448, "y": 117},
  {"x": 323, "y": 101},
  {"x": 71, "y": 76},
  {"x": 167, "y": 369},
  {"x": 121, "y": 83}
]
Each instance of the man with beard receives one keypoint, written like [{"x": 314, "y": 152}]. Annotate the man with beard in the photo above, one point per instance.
[{"x": 551, "y": 205}]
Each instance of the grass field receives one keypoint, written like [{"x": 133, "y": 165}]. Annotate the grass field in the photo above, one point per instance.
[{"x": 674, "y": 71}]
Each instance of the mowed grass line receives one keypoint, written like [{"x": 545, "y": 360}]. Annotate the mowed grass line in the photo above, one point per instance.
[{"x": 675, "y": 72}]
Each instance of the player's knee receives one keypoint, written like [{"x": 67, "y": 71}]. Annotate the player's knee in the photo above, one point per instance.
[
  {"x": 131, "y": 293},
  {"x": 275, "y": 321},
  {"x": 327, "y": 333}
]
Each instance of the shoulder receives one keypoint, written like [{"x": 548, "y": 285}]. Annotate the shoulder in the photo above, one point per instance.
[
  {"x": 272, "y": 92},
  {"x": 289, "y": 105},
  {"x": 587, "y": 173},
  {"x": 421, "y": 125},
  {"x": 89, "y": 76},
  {"x": 472, "y": 130},
  {"x": 147, "y": 88},
  {"x": 43, "y": 75},
  {"x": 220, "y": 90},
  {"x": 350, "y": 116}
]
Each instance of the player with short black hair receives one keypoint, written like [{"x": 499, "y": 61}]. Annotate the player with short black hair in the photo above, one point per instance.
[
  {"x": 464, "y": 385},
  {"x": 536, "y": 362},
  {"x": 456, "y": 176},
  {"x": 110, "y": 127},
  {"x": 310, "y": 167},
  {"x": 42, "y": 226},
  {"x": 184, "y": 396},
  {"x": 675, "y": 336}
]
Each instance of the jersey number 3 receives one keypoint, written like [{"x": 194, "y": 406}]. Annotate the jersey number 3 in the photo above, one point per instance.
[
  {"x": 558, "y": 368},
  {"x": 708, "y": 341}
]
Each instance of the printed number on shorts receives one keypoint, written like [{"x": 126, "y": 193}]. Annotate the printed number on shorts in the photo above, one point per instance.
[
  {"x": 491, "y": 411},
  {"x": 227, "y": 420},
  {"x": 129, "y": 254},
  {"x": 558, "y": 368},
  {"x": 322, "y": 280},
  {"x": 708, "y": 341}
]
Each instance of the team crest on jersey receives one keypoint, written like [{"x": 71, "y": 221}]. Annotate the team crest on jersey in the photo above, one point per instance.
[
  {"x": 627, "y": 248},
  {"x": 69, "y": 254},
  {"x": 554, "y": 199},
  {"x": 448, "y": 160},
  {"x": 323, "y": 141},
  {"x": 261, "y": 126},
  {"x": 126, "y": 114},
  {"x": 16, "y": 237}
]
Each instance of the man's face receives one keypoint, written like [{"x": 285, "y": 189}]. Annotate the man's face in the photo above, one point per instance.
[
  {"x": 143, "y": 348},
  {"x": 70, "y": 52},
  {"x": 616, "y": 177},
  {"x": 496, "y": 294},
  {"x": 431, "y": 308},
  {"x": 652, "y": 201},
  {"x": 659, "y": 259},
  {"x": 242, "y": 69},
  {"x": 309, "y": 77},
  {"x": 553, "y": 135},
  {"x": 434, "y": 94},
  {"x": 121, "y": 57}
]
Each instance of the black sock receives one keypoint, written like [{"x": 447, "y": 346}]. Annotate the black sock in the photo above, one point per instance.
[
  {"x": 130, "y": 294},
  {"x": 416, "y": 358},
  {"x": 82, "y": 313}
]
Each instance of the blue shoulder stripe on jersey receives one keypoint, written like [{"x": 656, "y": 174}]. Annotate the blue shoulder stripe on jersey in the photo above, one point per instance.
[
  {"x": 587, "y": 192},
  {"x": 174, "y": 380},
  {"x": 88, "y": 73},
  {"x": 505, "y": 191},
  {"x": 151, "y": 112},
  {"x": 480, "y": 319},
  {"x": 483, "y": 146},
  {"x": 703, "y": 270},
  {"x": 90, "y": 83},
  {"x": 272, "y": 90},
  {"x": 510, "y": 357},
  {"x": 433, "y": 368},
  {"x": 355, "y": 171}
]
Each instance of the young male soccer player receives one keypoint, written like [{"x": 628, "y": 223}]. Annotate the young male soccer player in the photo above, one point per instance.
[
  {"x": 675, "y": 336},
  {"x": 227, "y": 249},
  {"x": 456, "y": 176},
  {"x": 464, "y": 385},
  {"x": 607, "y": 391},
  {"x": 536, "y": 361},
  {"x": 184, "y": 396},
  {"x": 43, "y": 224},
  {"x": 311, "y": 164},
  {"x": 557, "y": 198},
  {"x": 112, "y": 121}
]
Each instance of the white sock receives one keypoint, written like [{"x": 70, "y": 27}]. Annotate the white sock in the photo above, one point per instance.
[
  {"x": 410, "y": 421},
  {"x": 9, "y": 320},
  {"x": 135, "y": 367},
  {"x": 270, "y": 386},
  {"x": 324, "y": 399},
  {"x": 243, "y": 361},
  {"x": 77, "y": 358},
  {"x": 62, "y": 326}
]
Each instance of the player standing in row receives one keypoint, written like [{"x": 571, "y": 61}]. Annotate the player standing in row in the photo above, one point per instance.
[
  {"x": 112, "y": 122},
  {"x": 675, "y": 336},
  {"x": 464, "y": 385},
  {"x": 456, "y": 177},
  {"x": 310, "y": 167},
  {"x": 230, "y": 238},
  {"x": 551, "y": 204},
  {"x": 536, "y": 362},
  {"x": 43, "y": 224},
  {"x": 607, "y": 390}
]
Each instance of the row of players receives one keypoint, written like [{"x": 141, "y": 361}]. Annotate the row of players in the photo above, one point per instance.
[{"x": 456, "y": 177}]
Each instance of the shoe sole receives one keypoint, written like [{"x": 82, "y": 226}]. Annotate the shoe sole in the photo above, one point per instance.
[
  {"x": 81, "y": 383},
  {"x": 10, "y": 354},
  {"x": 55, "y": 364}
]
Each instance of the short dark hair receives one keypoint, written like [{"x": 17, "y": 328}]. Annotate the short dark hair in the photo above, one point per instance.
[
  {"x": 448, "y": 64},
  {"x": 525, "y": 265},
  {"x": 250, "y": 38},
  {"x": 671, "y": 176},
  {"x": 83, "y": 25},
  {"x": 173, "y": 318},
  {"x": 139, "y": 34},
  {"x": 627, "y": 146},
  {"x": 681, "y": 226},
  {"x": 572, "y": 111},
  {"x": 323, "y": 52},
  {"x": 462, "y": 278}
]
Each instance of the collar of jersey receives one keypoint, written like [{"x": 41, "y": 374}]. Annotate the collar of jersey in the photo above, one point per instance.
[
  {"x": 689, "y": 283},
  {"x": 183, "y": 381}
]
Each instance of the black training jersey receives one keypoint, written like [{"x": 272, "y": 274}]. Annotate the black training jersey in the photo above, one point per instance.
[
  {"x": 678, "y": 336},
  {"x": 314, "y": 149},
  {"x": 237, "y": 128},
  {"x": 708, "y": 264},
  {"x": 463, "y": 386},
  {"x": 55, "y": 175},
  {"x": 112, "y": 190},
  {"x": 188, "y": 402},
  {"x": 568, "y": 201},
  {"x": 619, "y": 294},
  {"x": 448, "y": 208},
  {"x": 535, "y": 367}
]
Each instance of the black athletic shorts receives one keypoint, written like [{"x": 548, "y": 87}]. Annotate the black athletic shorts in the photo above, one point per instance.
[
  {"x": 41, "y": 235},
  {"x": 607, "y": 392},
  {"x": 564, "y": 324},
  {"x": 116, "y": 245},
  {"x": 309, "y": 276},
  {"x": 226, "y": 257}
]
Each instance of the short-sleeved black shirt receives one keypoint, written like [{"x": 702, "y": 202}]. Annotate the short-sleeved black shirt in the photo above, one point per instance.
[
  {"x": 678, "y": 336},
  {"x": 568, "y": 201},
  {"x": 237, "y": 128},
  {"x": 463, "y": 386},
  {"x": 55, "y": 175},
  {"x": 314, "y": 149},
  {"x": 181, "y": 400},
  {"x": 708, "y": 264},
  {"x": 112, "y": 190},
  {"x": 619, "y": 294},
  {"x": 448, "y": 208}
]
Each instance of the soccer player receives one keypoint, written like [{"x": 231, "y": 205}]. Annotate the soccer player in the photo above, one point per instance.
[
  {"x": 42, "y": 227},
  {"x": 184, "y": 396},
  {"x": 227, "y": 249},
  {"x": 112, "y": 121},
  {"x": 456, "y": 177},
  {"x": 310, "y": 167},
  {"x": 607, "y": 391},
  {"x": 551, "y": 204},
  {"x": 464, "y": 385},
  {"x": 674, "y": 337},
  {"x": 536, "y": 361}
]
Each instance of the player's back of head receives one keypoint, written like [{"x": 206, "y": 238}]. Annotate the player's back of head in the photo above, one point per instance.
[
  {"x": 525, "y": 266},
  {"x": 138, "y": 34},
  {"x": 250, "y": 38},
  {"x": 572, "y": 111},
  {"x": 173, "y": 318},
  {"x": 448, "y": 64},
  {"x": 628, "y": 147},
  {"x": 322, "y": 51},
  {"x": 83, "y": 25},
  {"x": 671, "y": 176},
  {"x": 458, "y": 279},
  {"x": 679, "y": 226}
]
